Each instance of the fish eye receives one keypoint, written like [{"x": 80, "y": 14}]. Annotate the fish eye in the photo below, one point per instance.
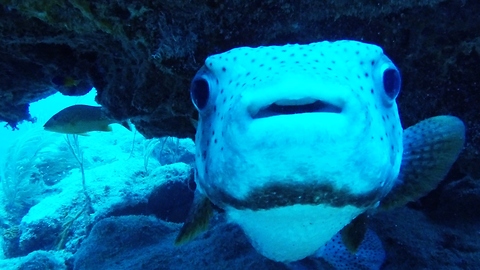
[
  {"x": 200, "y": 92},
  {"x": 391, "y": 82}
]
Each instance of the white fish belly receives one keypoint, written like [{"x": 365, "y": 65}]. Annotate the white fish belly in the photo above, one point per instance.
[{"x": 291, "y": 233}]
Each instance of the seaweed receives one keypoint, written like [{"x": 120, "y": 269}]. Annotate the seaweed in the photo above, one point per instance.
[{"x": 20, "y": 178}]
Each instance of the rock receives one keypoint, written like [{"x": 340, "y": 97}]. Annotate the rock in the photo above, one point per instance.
[
  {"x": 116, "y": 184},
  {"x": 38, "y": 260},
  {"x": 140, "y": 242},
  {"x": 456, "y": 201}
]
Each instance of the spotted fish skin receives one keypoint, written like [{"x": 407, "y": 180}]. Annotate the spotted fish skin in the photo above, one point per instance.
[{"x": 295, "y": 141}]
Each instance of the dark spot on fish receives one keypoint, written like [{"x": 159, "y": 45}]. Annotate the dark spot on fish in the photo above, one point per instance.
[
  {"x": 253, "y": 61},
  {"x": 274, "y": 58},
  {"x": 210, "y": 64},
  {"x": 204, "y": 154},
  {"x": 248, "y": 73},
  {"x": 224, "y": 69},
  {"x": 366, "y": 74},
  {"x": 371, "y": 90},
  {"x": 235, "y": 58},
  {"x": 361, "y": 62},
  {"x": 221, "y": 91},
  {"x": 357, "y": 52},
  {"x": 333, "y": 61},
  {"x": 373, "y": 63},
  {"x": 215, "y": 141},
  {"x": 224, "y": 100},
  {"x": 292, "y": 55},
  {"x": 275, "y": 195}
]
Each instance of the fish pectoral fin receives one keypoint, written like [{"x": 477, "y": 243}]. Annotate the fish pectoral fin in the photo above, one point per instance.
[
  {"x": 197, "y": 220},
  {"x": 430, "y": 148},
  {"x": 354, "y": 233},
  {"x": 82, "y": 134}
]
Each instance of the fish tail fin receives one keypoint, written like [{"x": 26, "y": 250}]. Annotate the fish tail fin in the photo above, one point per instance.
[
  {"x": 126, "y": 124},
  {"x": 106, "y": 128}
]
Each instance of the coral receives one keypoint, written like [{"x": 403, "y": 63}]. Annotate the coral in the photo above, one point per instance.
[{"x": 21, "y": 182}]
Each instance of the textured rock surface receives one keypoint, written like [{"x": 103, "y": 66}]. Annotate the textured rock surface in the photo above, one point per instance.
[{"x": 118, "y": 243}]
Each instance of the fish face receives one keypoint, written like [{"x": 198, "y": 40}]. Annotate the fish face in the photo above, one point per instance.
[{"x": 306, "y": 135}]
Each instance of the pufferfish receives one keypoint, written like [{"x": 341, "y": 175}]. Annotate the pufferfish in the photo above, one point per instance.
[{"x": 297, "y": 142}]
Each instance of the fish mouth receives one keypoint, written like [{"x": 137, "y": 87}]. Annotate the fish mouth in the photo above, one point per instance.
[{"x": 295, "y": 106}]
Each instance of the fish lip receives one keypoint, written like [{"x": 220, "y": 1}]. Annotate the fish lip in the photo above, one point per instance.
[{"x": 288, "y": 106}]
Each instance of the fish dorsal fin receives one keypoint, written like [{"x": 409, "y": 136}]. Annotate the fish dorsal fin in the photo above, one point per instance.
[
  {"x": 430, "y": 148},
  {"x": 197, "y": 220},
  {"x": 354, "y": 233}
]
